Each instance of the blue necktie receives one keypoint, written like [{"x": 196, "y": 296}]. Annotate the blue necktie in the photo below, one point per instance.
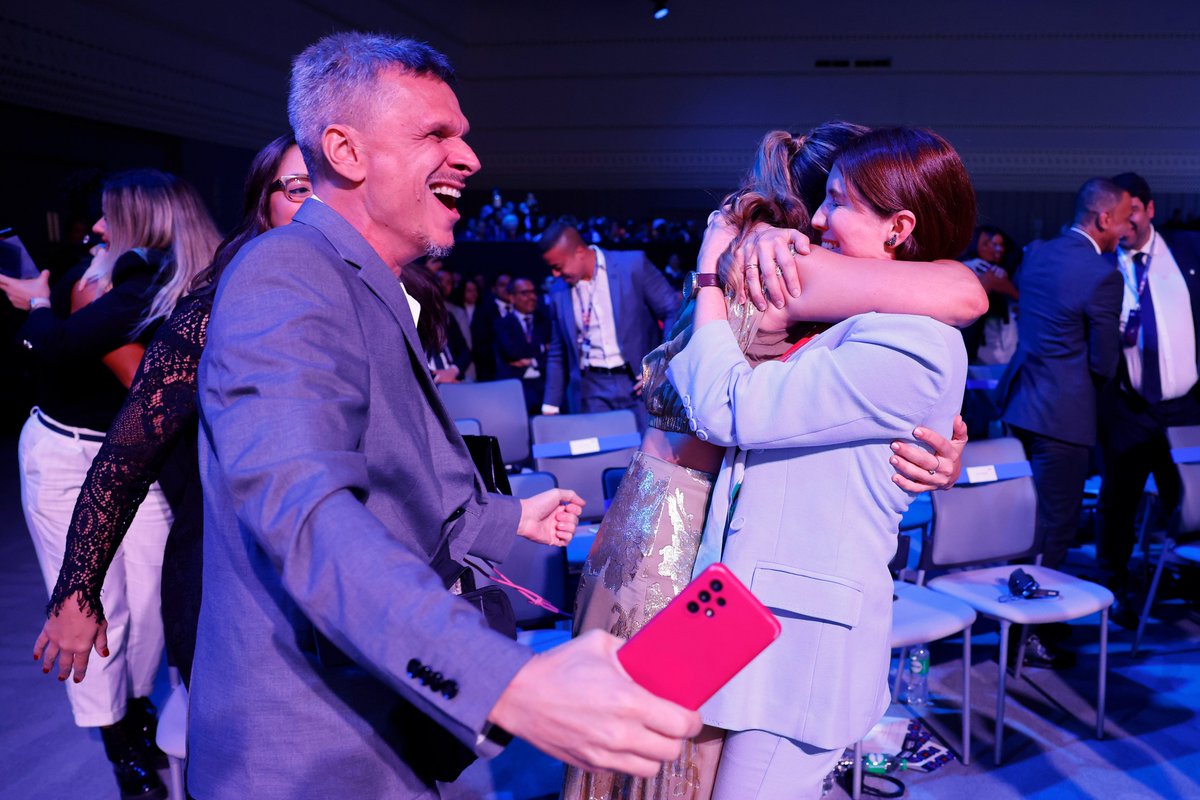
[{"x": 1151, "y": 378}]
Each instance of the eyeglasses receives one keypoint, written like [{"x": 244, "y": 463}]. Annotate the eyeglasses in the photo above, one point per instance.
[{"x": 296, "y": 188}]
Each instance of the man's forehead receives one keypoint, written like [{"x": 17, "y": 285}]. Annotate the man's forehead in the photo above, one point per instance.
[{"x": 424, "y": 99}]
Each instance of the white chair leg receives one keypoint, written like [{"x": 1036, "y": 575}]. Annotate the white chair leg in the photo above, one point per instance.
[
  {"x": 966, "y": 705},
  {"x": 1002, "y": 670},
  {"x": 899, "y": 674},
  {"x": 1020, "y": 651},
  {"x": 1101, "y": 694},
  {"x": 856, "y": 784},
  {"x": 176, "y": 778},
  {"x": 1158, "y": 571}
]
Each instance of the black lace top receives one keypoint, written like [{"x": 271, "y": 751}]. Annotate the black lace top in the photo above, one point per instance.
[{"x": 159, "y": 411}]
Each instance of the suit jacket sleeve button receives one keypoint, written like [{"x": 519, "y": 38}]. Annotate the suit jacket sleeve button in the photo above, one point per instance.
[
  {"x": 450, "y": 690},
  {"x": 413, "y": 667}
]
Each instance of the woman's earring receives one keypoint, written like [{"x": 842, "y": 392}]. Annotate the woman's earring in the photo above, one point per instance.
[{"x": 890, "y": 242}]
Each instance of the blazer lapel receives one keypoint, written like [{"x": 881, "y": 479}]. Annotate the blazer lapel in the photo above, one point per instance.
[{"x": 351, "y": 246}]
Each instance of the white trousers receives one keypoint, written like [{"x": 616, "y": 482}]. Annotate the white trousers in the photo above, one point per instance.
[
  {"x": 757, "y": 765},
  {"x": 53, "y": 467}
]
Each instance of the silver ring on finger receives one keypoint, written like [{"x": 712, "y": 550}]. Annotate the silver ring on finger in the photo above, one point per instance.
[
  {"x": 751, "y": 266},
  {"x": 779, "y": 270},
  {"x": 936, "y": 465}
]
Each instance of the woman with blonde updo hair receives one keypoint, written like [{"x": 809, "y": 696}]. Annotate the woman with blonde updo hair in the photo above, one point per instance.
[
  {"x": 647, "y": 545},
  {"x": 84, "y": 339}
]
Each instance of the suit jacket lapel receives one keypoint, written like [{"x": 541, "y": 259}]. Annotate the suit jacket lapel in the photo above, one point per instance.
[
  {"x": 617, "y": 294},
  {"x": 351, "y": 246}
]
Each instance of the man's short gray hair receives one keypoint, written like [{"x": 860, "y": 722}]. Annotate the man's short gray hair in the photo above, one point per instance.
[{"x": 335, "y": 81}]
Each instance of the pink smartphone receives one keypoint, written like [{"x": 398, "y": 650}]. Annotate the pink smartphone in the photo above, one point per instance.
[{"x": 704, "y": 637}]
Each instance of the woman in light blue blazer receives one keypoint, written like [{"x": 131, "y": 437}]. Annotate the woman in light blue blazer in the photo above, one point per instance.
[{"x": 804, "y": 509}]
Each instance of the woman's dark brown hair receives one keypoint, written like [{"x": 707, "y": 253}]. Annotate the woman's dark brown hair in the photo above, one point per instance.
[
  {"x": 256, "y": 211},
  {"x": 787, "y": 181},
  {"x": 896, "y": 169}
]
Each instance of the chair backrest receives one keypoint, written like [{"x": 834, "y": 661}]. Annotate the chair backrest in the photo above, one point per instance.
[
  {"x": 468, "y": 427},
  {"x": 611, "y": 479},
  {"x": 582, "y": 472},
  {"x": 537, "y": 567},
  {"x": 500, "y": 408},
  {"x": 987, "y": 521},
  {"x": 1187, "y": 520}
]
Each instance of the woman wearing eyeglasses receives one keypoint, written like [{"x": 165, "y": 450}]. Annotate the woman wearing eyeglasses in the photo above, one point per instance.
[{"x": 153, "y": 438}]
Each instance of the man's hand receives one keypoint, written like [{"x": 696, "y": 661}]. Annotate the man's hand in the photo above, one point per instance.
[
  {"x": 448, "y": 375},
  {"x": 70, "y": 635},
  {"x": 611, "y": 724},
  {"x": 550, "y": 517},
  {"x": 21, "y": 290},
  {"x": 920, "y": 471}
]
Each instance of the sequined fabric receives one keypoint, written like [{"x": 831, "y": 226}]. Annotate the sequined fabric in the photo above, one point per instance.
[
  {"x": 160, "y": 407},
  {"x": 641, "y": 559},
  {"x": 662, "y": 401}
]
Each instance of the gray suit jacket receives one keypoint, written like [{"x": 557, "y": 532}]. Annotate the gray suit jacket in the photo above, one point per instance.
[
  {"x": 641, "y": 299},
  {"x": 1068, "y": 341},
  {"x": 815, "y": 523},
  {"x": 332, "y": 474}
]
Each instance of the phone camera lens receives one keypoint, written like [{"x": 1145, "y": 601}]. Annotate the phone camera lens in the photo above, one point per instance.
[
  {"x": 693, "y": 606},
  {"x": 705, "y": 597},
  {"x": 720, "y": 601},
  {"x": 716, "y": 586},
  {"x": 708, "y": 612}
]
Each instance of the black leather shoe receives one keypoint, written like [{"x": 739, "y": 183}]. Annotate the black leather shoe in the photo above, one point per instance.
[
  {"x": 141, "y": 721},
  {"x": 136, "y": 778},
  {"x": 1125, "y": 612},
  {"x": 1040, "y": 655}
]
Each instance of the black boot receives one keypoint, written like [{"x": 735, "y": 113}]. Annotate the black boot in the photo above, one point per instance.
[
  {"x": 136, "y": 778},
  {"x": 141, "y": 721}
]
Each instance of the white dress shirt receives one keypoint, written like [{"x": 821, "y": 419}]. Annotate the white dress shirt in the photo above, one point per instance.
[
  {"x": 1172, "y": 315},
  {"x": 603, "y": 350}
]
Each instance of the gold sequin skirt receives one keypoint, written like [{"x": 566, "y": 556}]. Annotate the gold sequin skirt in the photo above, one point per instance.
[{"x": 641, "y": 559}]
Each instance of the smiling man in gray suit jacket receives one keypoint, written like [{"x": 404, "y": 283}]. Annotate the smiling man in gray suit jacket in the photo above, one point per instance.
[{"x": 331, "y": 660}]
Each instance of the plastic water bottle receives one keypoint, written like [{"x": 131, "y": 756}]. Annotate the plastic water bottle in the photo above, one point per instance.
[{"x": 917, "y": 676}]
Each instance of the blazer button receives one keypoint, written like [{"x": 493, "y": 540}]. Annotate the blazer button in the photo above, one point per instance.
[
  {"x": 692, "y": 424},
  {"x": 702, "y": 435},
  {"x": 736, "y": 523}
]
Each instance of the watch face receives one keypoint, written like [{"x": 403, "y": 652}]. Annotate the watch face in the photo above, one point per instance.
[{"x": 689, "y": 286}]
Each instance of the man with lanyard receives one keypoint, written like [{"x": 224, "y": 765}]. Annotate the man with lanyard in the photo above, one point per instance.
[
  {"x": 609, "y": 309},
  {"x": 1156, "y": 385}
]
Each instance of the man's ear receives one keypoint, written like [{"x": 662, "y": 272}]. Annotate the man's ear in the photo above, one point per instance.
[
  {"x": 904, "y": 222},
  {"x": 343, "y": 152},
  {"x": 1150, "y": 210}
]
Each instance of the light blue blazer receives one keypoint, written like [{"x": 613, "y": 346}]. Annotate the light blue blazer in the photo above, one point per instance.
[{"x": 815, "y": 523}]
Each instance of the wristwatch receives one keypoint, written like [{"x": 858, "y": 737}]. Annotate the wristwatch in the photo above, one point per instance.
[
  {"x": 699, "y": 280},
  {"x": 38, "y": 302}
]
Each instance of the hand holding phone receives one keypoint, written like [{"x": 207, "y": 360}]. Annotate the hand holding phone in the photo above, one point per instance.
[{"x": 704, "y": 637}]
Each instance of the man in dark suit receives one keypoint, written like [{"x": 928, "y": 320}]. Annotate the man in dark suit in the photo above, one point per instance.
[
  {"x": 609, "y": 308},
  {"x": 488, "y": 312},
  {"x": 1067, "y": 348},
  {"x": 340, "y": 501},
  {"x": 522, "y": 339},
  {"x": 1156, "y": 386}
]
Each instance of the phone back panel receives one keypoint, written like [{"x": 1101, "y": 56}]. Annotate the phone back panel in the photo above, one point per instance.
[{"x": 704, "y": 637}]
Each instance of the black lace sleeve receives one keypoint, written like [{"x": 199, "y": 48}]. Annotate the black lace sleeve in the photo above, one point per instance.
[{"x": 161, "y": 404}]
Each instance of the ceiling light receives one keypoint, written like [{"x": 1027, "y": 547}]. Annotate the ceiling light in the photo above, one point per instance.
[{"x": 660, "y": 9}]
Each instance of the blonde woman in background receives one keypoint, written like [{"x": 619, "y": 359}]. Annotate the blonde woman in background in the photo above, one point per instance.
[{"x": 158, "y": 237}]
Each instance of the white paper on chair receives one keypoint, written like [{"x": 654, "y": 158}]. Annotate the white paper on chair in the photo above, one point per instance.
[
  {"x": 582, "y": 446},
  {"x": 985, "y": 474}
]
